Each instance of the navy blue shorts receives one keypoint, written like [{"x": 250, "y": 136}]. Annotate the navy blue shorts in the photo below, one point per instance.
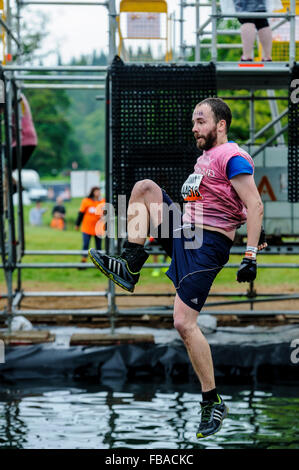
[{"x": 197, "y": 255}]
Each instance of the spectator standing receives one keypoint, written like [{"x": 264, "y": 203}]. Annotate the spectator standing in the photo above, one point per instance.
[
  {"x": 89, "y": 215},
  {"x": 36, "y": 214},
  {"x": 251, "y": 26},
  {"x": 58, "y": 214}
]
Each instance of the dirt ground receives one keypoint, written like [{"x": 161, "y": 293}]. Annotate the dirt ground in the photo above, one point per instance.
[{"x": 128, "y": 300}]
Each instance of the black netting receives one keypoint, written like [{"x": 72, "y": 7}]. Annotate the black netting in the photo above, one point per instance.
[
  {"x": 151, "y": 124},
  {"x": 293, "y": 144}
]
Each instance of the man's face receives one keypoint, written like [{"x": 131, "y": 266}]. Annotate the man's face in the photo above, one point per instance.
[{"x": 204, "y": 127}]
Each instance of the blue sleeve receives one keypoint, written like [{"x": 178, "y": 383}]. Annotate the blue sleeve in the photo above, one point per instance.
[{"x": 237, "y": 165}]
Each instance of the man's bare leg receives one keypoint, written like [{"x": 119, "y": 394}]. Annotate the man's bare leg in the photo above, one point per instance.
[
  {"x": 248, "y": 34},
  {"x": 185, "y": 322},
  {"x": 213, "y": 408},
  {"x": 145, "y": 206},
  {"x": 265, "y": 36},
  {"x": 144, "y": 193}
]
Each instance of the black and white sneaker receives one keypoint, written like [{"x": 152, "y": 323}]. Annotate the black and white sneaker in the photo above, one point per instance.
[
  {"x": 117, "y": 268},
  {"x": 212, "y": 415}
]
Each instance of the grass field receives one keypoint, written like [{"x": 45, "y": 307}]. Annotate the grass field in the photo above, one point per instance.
[{"x": 45, "y": 238}]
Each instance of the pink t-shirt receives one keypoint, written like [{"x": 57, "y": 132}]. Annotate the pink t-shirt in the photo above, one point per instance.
[
  {"x": 29, "y": 136},
  {"x": 210, "y": 196}
]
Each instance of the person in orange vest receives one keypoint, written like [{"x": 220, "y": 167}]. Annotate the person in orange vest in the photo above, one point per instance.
[
  {"x": 57, "y": 222},
  {"x": 58, "y": 215},
  {"x": 90, "y": 213}
]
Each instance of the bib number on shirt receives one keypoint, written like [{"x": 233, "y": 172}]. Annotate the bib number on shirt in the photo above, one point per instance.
[{"x": 190, "y": 189}]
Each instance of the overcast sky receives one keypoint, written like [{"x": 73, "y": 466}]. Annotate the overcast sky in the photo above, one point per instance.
[{"x": 76, "y": 30}]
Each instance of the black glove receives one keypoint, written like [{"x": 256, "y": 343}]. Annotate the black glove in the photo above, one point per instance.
[
  {"x": 247, "y": 270},
  {"x": 262, "y": 238}
]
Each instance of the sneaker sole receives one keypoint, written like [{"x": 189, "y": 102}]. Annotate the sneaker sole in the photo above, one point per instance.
[
  {"x": 110, "y": 275},
  {"x": 201, "y": 436}
]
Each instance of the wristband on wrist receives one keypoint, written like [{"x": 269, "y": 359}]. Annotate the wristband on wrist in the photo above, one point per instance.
[
  {"x": 250, "y": 254},
  {"x": 251, "y": 248}
]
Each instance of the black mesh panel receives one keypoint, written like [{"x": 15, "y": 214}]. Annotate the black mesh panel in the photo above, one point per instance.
[{"x": 151, "y": 134}]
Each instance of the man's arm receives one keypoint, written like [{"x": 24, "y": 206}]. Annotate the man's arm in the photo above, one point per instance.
[{"x": 247, "y": 191}]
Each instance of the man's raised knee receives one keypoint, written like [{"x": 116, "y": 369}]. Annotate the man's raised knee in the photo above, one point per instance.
[{"x": 143, "y": 186}]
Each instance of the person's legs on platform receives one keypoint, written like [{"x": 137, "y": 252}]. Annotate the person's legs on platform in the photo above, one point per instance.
[
  {"x": 265, "y": 36},
  {"x": 248, "y": 34},
  {"x": 249, "y": 28},
  {"x": 213, "y": 409}
]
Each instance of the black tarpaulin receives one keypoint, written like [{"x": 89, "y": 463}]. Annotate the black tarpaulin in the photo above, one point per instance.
[{"x": 256, "y": 353}]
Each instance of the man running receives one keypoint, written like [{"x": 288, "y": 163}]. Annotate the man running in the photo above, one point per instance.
[{"x": 220, "y": 196}]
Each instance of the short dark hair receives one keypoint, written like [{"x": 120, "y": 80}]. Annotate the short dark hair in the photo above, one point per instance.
[{"x": 220, "y": 110}]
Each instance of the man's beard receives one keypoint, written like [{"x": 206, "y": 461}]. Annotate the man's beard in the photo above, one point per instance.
[{"x": 209, "y": 140}]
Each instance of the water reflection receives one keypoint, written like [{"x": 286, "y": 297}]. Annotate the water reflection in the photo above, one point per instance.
[
  {"x": 12, "y": 427},
  {"x": 143, "y": 415}
]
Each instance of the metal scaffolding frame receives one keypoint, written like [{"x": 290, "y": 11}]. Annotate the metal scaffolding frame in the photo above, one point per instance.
[
  {"x": 15, "y": 79},
  {"x": 200, "y": 30},
  {"x": 109, "y": 4},
  {"x": 12, "y": 239}
]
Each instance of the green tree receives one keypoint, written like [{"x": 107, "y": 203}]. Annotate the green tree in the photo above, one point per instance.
[
  {"x": 86, "y": 115},
  {"x": 57, "y": 146}
]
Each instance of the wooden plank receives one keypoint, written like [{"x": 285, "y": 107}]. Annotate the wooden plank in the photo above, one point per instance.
[
  {"x": 107, "y": 339},
  {"x": 27, "y": 337}
]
